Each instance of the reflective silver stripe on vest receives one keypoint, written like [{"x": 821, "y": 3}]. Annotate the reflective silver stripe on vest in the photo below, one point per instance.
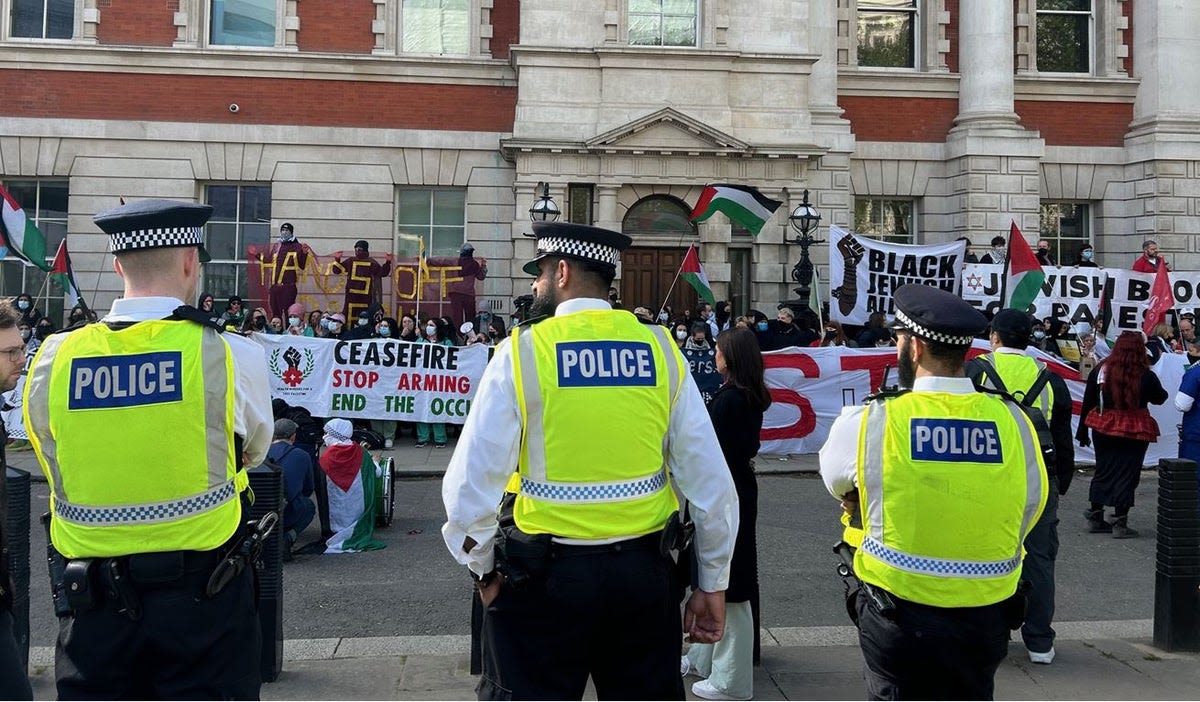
[
  {"x": 1034, "y": 473},
  {"x": 873, "y": 470},
  {"x": 576, "y": 493},
  {"x": 535, "y": 435},
  {"x": 38, "y": 406},
  {"x": 213, "y": 352},
  {"x": 670, "y": 359},
  {"x": 926, "y": 565},
  {"x": 145, "y": 513}
]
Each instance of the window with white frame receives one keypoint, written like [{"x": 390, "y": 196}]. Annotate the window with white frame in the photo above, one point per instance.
[
  {"x": 43, "y": 19},
  {"x": 889, "y": 220},
  {"x": 243, "y": 22},
  {"x": 45, "y": 204},
  {"x": 887, "y": 33},
  {"x": 1064, "y": 36},
  {"x": 663, "y": 22},
  {"x": 437, "y": 216},
  {"x": 435, "y": 26},
  {"x": 241, "y": 218},
  {"x": 1067, "y": 228}
]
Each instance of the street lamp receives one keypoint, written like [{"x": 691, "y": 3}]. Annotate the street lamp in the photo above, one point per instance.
[
  {"x": 544, "y": 209},
  {"x": 804, "y": 219}
]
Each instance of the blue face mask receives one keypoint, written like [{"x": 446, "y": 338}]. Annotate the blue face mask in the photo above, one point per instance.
[{"x": 761, "y": 326}]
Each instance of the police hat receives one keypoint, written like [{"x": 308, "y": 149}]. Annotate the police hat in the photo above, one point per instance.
[
  {"x": 934, "y": 314},
  {"x": 155, "y": 224},
  {"x": 1013, "y": 323},
  {"x": 578, "y": 241}
]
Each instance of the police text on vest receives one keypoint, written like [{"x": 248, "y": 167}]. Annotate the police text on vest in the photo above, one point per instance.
[
  {"x": 103, "y": 382},
  {"x": 955, "y": 440},
  {"x": 605, "y": 364}
]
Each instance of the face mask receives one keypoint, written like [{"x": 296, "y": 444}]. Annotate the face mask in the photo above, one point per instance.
[
  {"x": 25, "y": 335},
  {"x": 362, "y": 321},
  {"x": 1087, "y": 255},
  {"x": 830, "y": 335},
  {"x": 998, "y": 251},
  {"x": 359, "y": 253},
  {"x": 662, "y": 316},
  {"x": 485, "y": 316},
  {"x": 286, "y": 236},
  {"x": 260, "y": 323},
  {"x": 23, "y": 305},
  {"x": 385, "y": 331},
  {"x": 324, "y": 323},
  {"x": 761, "y": 326},
  {"x": 1039, "y": 335},
  {"x": 1043, "y": 249},
  {"x": 493, "y": 333},
  {"x": 43, "y": 332},
  {"x": 681, "y": 335},
  {"x": 431, "y": 330},
  {"x": 293, "y": 321},
  {"x": 335, "y": 327}
]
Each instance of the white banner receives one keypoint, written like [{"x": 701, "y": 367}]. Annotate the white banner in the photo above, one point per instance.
[
  {"x": 864, "y": 273},
  {"x": 1070, "y": 294},
  {"x": 810, "y": 386},
  {"x": 375, "y": 378}
]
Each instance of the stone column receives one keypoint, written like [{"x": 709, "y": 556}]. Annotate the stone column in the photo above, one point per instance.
[
  {"x": 985, "y": 64},
  {"x": 1165, "y": 51},
  {"x": 606, "y": 207}
]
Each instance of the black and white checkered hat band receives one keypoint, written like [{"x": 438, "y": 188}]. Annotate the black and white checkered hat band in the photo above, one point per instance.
[
  {"x": 928, "y": 333},
  {"x": 155, "y": 238},
  {"x": 579, "y": 249}
]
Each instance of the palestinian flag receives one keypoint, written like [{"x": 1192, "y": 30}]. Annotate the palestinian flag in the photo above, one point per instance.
[
  {"x": 353, "y": 484},
  {"x": 21, "y": 236},
  {"x": 740, "y": 203},
  {"x": 62, "y": 273},
  {"x": 693, "y": 272},
  {"x": 1022, "y": 279}
]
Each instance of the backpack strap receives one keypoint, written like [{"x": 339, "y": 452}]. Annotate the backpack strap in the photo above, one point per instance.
[
  {"x": 987, "y": 370},
  {"x": 1039, "y": 384}
]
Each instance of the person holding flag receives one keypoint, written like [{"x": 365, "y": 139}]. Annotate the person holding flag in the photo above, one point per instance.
[{"x": 1022, "y": 278}]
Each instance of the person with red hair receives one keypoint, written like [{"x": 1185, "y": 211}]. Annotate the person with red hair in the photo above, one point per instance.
[{"x": 1114, "y": 408}]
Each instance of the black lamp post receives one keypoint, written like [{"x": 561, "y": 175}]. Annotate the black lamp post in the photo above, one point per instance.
[
  {"x": 804, "y": 219},
  {"x": 544, "y": 209}
]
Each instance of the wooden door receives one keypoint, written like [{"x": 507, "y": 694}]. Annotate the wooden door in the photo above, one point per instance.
[{"x": 646, "y": 276}]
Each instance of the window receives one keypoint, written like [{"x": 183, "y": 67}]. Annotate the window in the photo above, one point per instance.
[
  {"x": 659, "y": 215},
  {"x": 579, "y": 203},
  {"x": 1066, "y": 226},
  {"x": 241, "y": 218},
  {"x": 887, "y": 33},
  {"x": 45, "y": 202},
  {"x": 662, "y": 22},
  {"x": 43, "y": 19},
  {"x": 885, "y": 220},
  {"x": 244, "y": 22},
  {"x": 1064, "y": 36},
  {"x": 436, "y": 26},
  {"x": 439, "y": 217}
]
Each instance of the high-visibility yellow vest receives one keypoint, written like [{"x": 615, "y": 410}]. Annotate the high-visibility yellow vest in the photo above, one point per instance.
[
  {"x": 950, "y": 484},
  {"x": 595, "y": 390},
  {"x": 134, "y": 431},
  {"x": 1018, "y": 373}
]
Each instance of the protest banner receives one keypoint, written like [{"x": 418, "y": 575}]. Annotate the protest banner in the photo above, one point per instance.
[
  {"x": 1131, "y": 293},
  {"x": 865, "y": 273},
  {"x": 374, "y": 378},
  {"x": 703, "y": 365},
  {"x": 1070, "y": 294}
]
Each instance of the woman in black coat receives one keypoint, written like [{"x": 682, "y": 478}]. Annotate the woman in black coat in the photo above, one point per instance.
[
  {"x": 1114, "y": 407},
  {"x": 736, "y": 411}
]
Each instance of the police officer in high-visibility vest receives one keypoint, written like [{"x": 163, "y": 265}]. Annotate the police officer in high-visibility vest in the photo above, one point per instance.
[
  {"x": 947, "y": 482},
  {"x": 1009, "y": 369},
  {"x": 586, "y": 422},
  {"x": 143, "y": 424}
]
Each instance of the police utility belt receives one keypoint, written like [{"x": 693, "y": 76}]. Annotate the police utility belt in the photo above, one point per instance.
[{"x": 85, "y": 584}]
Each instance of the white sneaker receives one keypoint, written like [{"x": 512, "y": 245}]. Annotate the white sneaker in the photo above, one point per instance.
[
  {"x": 387, "y": 443},
  {"x": 685, "y": 666},
  {"x": 705, "y": 689},
  {"x": 1042, "y": 658}
]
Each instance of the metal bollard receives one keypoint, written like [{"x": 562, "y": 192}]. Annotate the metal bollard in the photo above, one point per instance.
[
  {"x": 1177, "y": 571},
  {"x": 267, "y": 483},
  {"x": 17, "y": 530}
]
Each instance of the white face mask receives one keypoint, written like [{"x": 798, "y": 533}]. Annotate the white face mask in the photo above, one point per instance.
[
  {"x": 23, "y": 305},
  {"x": 681, "y": 334},
  {"x": 431, "y": 330},
  {"x": 362, "y": 321},
  {"x": 385, "y": 331},
  {"x": 294, "y": 321},
  {"x": 335, "y": 327},
  {"x": 662, "y": 316}
]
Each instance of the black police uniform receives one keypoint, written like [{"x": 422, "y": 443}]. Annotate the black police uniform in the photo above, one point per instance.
[{"x": 14, "y": 678}]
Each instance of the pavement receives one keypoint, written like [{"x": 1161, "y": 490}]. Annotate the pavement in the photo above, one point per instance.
[{"x": 1096, "y": 660}]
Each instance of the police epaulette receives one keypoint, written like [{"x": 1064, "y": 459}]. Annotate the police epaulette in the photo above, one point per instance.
[
  {"x": 533, "y": 320},
  {"x": 187, "y": 313},
  {"x": 886, "y": 394}
]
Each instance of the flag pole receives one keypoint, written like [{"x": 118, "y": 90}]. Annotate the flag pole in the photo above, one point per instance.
[
  {"x": 673, "y": 281},
  {"x": 1004, "y": 267}
]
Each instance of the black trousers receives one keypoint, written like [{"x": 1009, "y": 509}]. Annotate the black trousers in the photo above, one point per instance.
[
  {"x": 185, "y": 646},
  {"x": 14, "y": 678},
  {"x": 932, "y": 653},
  {"x": 1041, "y": 551},
  {"x": 611, "y": 613}
]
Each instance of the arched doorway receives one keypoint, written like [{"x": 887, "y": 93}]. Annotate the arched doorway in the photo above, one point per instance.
[{"x": 647, "y": 271}]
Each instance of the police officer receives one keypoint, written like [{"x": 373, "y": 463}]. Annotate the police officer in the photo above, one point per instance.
[
  {"x": 1008, "y": 369},
  {"x": 947, "y": 483},
  {"x": 14, "y": 680},
  {"x": 602, "y": 421},
  {"x": 148, "y": 606}
]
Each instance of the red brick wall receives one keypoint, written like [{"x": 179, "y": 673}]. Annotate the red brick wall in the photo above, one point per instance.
[
  {"x": 336, "y": 26},
  {"x": 1077, "y": 123},
  {"x": 952, "y": 35},
  {"x": 506, "y": 26},
  {"x": 899, "y": 118},
  {"x": 137, "y": 22},
  {"x": 187, "y": 98}
]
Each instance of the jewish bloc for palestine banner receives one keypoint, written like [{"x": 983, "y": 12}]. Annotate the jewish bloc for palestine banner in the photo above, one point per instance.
[
  {"x": 1067, "y": 293},
  {"x": 865, "y": 273},
  {"x": 374, "y": 378}
]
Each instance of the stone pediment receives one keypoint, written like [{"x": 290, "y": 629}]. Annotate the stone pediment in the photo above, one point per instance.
[{"x": 667, "y": 130}]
